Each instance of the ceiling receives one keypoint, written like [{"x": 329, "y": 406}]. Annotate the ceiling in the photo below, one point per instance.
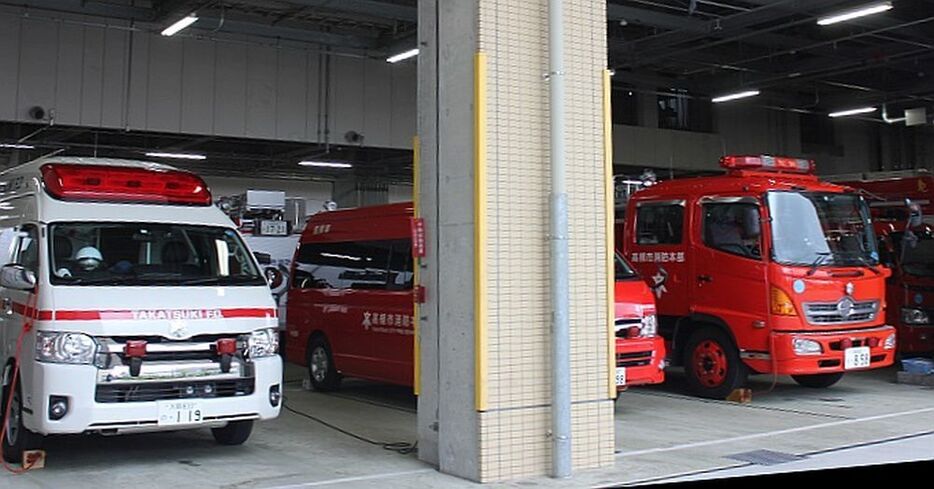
[{"x": 702, "y": 48}]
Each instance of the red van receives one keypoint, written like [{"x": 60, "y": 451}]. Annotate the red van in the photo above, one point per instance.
[{"x": 351, "y": 303}]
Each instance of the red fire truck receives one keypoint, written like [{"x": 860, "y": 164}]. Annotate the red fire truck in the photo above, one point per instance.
[
  {"x": 910, "y": 292},
  {"x": 765, "y": 269},
  {"x": 352, "y": 297}
]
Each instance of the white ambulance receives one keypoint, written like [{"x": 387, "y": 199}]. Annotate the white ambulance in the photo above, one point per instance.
[{"x": 128, "y": 303}]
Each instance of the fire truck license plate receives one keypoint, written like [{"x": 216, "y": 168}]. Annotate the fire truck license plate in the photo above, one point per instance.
[
  {"x": 620, "y": 376},
  {"x": 856, "y": 357},
  {"x": 179, "y": 413}
]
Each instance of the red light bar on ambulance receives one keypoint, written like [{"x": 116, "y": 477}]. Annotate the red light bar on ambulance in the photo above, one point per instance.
[
  {"x": 102, "y": 183},
  {"x": 767, "y": 163}
]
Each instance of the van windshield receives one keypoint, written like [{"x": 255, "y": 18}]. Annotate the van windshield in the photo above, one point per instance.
[
  {"x": 152, "y": 254},
  {"x": 816, "y": 229}
]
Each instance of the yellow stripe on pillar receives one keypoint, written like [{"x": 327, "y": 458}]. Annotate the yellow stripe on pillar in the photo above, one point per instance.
[{"x": 480, "y": 304}]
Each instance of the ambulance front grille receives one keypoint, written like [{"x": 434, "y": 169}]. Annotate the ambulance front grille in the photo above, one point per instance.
[{"x": 160, "y": 391}]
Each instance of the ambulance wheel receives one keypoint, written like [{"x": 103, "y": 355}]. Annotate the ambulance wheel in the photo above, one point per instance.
[
  {"x": 818, "y": 381},
  {"x": 712, "y": 364},
  {"x": 16, "y": 438},
  {"x": 235, "y": 433},
  {"x": 321, "y": 371}
]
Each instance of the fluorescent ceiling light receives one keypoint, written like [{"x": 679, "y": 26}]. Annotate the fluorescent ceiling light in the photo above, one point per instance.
[
  {"x": 734, "y": 96},
  {"x": 855, "y": 13},
  {"x": 411, "y": 53},
  {"x": 861, "y": 110},
  {"x": 181, "y": 24},
  {"x": 178, "y": 156},
  {"x": 326, "y": 164},
  {"x": 16, "y": 146}
]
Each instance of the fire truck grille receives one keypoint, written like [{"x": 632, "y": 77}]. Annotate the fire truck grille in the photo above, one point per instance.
[
  {"x": 159, "y": 391},
  {"x": 634, "y": 359},
  {"x": 833, "y": 313}
]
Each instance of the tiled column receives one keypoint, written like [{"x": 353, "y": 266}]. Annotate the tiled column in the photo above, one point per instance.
[{"x": 485, "y": 332}]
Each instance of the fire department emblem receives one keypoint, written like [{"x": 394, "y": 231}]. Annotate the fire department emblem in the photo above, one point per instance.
[
  {"x": 658, "y": 282},
  {"x": 178, "y": 330}
]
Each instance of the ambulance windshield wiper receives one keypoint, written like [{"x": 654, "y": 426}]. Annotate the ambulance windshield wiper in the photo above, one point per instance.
[
  {"x": 821, "y": 256},
  {"x": 228, "y": 280},
  {"x": 98, "y": 280}
]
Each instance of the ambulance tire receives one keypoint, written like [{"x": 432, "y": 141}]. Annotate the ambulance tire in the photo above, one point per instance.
[
  {"x": 24, "y": 439},
  {"x": 321, "y": 371},
  {"x": 235, "y": 433},
  {"x": 818, "y": 381},
  {"x": 712, "y": 364}
]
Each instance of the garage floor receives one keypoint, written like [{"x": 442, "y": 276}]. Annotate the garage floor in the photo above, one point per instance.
[{"x": 662, "y": 434}]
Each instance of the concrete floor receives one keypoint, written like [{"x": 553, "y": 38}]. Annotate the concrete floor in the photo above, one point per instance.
[{"x": 662, "y": 435}]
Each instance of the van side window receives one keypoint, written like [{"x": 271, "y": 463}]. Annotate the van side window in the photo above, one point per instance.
[
  {"x": 401, "y": 275},
  {"x": 659, "y": 224},
  {"x": 733, "y": 228},
  {"x": 29, "y": 249},
  {"x": 346, "y": 265}
]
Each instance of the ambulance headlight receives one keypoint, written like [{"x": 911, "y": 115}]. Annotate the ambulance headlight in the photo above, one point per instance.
[
  {"x": 264, "y": 343},
  {"x": 649, "y": 325},
  {"x": 73, "y": 348}
]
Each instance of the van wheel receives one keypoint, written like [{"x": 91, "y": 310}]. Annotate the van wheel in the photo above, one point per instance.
[
  {"x": 16, "y": 438},
  {"x": 712, "y": 364},
  {"x": 321, "y": 371},
  {"x": 235, "y": 433},
  {"x": 818, "y": 381}
]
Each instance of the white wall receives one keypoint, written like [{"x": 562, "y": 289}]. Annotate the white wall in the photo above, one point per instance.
[
  {"x": 314, "y": 193},
  {"x": 116, "y": 78}
]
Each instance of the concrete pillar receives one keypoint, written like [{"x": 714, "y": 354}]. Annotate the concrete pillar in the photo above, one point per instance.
[{"x": 484, "y": 338}]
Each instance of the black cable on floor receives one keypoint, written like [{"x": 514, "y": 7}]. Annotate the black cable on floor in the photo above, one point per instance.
[{"x": 400, "y": 447}]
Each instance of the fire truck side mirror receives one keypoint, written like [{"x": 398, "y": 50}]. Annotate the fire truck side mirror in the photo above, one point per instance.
[
  {"x": 915, "y": 215},
  {"x": 752, "y": 226}
]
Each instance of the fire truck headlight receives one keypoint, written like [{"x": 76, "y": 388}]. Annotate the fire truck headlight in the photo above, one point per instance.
[
  {"x": 804, "y": 346},
  {"x": 889, "y": 343},
  {"x": 264, "y": 343},
  {"x": 911, "y": 315},
  {"x": 73, "y": 348},
  {"x": 649, "y": 325}
]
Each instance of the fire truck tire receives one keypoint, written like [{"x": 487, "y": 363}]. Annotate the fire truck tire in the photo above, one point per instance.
[
  {"x": 321, "y": 371},
  {"x": 17, "y": 438},
  {"x": 712, "y": 364},
  {"x": 235, "y": 433},
  {"x": 818, "y": 381}
]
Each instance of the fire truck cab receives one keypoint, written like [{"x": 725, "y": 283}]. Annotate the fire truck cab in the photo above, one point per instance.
[
  {"x": 765, "y": 269},
  {"x": 910, "y": 291}
]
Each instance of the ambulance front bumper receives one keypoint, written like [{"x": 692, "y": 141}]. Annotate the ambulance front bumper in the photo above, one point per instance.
[{"x": 163, "y": 401}]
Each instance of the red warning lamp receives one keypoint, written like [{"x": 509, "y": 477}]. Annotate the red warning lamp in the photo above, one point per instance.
[
  {"x": 768, "y": 163},
  {"x": 104, "y": 183}
]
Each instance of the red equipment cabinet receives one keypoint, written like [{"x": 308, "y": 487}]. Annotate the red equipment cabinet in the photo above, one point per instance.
[{"x": 764, "y": 269}]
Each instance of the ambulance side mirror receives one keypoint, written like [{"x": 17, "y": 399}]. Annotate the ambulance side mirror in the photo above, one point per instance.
[{"x": 14, "y": 276}]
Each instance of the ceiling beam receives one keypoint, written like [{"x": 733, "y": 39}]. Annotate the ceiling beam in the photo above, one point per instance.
[
  {"x": 284, "y": 31},
  {"x": 367, "y": 7},
  {"x": 99, "y": 9}
]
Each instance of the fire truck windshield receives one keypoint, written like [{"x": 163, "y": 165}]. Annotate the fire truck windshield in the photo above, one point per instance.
[
  {"x": 821, "y": 229},
  {"x": 623, "y": 270},
  {"x": 918, "y": 258}
]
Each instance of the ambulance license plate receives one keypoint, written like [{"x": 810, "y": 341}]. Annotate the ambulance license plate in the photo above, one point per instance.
[
  {"x": 179, "y": 413},
  {"x": 856, "y": 357},
  {"x": 620, "y": 376}
]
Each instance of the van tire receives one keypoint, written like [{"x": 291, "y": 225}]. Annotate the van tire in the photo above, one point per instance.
[
  {"x": 25, "y": 439},
  {"x": 321, "y": 371},
  {"x": 235, "y": 433},
  {"x": 712, "y": 364},
  {"x": 818, "y": 381}
]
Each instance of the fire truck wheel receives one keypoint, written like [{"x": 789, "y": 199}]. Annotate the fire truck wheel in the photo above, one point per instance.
[
  {"x": 16, "y": 438},
  {"x": 712, "y": 364},
  {"x": 818, "y": 381},
  {"x": 324, "y": 377},
  {"x": 235, "y": 433}
]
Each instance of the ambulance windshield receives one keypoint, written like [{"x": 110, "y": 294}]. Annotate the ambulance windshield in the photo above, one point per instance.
[
  {"x": 821, "y": 229},
  {"x": 148, "y": 254}
]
